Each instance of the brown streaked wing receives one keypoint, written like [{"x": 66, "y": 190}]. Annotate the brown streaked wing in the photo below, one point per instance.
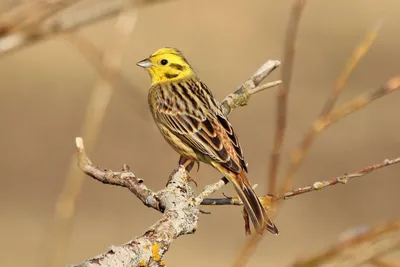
[
  {"x": 195, "y": 128},
  {"x": 234, "y": 140}
]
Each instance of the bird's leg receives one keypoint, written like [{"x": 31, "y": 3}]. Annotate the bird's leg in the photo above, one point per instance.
[{"x": 188, "y": 164}]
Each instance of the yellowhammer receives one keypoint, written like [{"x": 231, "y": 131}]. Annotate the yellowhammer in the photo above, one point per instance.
[{"x": 191, "y": 121}]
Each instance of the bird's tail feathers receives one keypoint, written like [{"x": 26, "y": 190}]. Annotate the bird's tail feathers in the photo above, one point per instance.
[{"x": 253, "y": 206}]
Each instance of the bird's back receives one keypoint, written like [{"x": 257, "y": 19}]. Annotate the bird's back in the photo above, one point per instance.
[{"x": 188, "y": 109}]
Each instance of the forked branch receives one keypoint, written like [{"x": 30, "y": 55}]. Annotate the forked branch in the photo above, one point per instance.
[{"x": 178, "y": 219}]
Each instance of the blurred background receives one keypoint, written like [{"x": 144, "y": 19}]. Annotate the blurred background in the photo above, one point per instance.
[{"x": 45, "y": 88}]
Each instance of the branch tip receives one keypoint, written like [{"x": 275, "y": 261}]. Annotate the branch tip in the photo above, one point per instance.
[{"x": 79, "y": 143}]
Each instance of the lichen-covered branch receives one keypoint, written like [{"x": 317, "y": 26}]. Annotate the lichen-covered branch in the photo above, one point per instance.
[
  {"x": 180, "y": 206},
  {"x": 176, "y": 201},
  {"x": 125, "y": 178}
]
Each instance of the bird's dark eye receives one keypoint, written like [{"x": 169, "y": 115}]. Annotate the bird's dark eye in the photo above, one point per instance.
[{"x": 164, "y": 62}]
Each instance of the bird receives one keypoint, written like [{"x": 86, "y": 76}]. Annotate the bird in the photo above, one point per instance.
[{"x": 191, "y": 121}]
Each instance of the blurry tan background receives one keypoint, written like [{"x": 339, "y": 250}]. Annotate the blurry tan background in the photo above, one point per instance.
[{"x": 44, "y": 90}]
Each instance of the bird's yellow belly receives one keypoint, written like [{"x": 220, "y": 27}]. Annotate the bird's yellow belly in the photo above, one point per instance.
[{"x": 179, "y": 146}]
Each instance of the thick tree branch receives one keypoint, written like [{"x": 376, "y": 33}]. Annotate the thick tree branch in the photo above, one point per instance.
[{"x": 177, "y": 202}]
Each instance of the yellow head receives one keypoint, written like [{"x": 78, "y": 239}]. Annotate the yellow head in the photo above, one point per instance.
[{"x": 166, "y": 64}]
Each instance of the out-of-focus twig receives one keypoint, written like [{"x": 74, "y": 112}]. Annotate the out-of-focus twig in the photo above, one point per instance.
[
  {"x": 341, "y": 81},
  {"x": 338, "y": 113},
  {"x": 66, "y": 202},
  {"x": 114, "y": 76},
  {"x": 378, "y": 262},
  {"x": 359, "y": 249},
  {"x": 298, "y": 154},
  {"x": 14, "y": 37},
  {"x": 282, "y": 94},
  {"x": 287, "y": 69},
  {"x": 27, "y": 16}
]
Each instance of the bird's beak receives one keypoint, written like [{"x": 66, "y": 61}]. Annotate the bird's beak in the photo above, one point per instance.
[{"x": 145, "y": 63}]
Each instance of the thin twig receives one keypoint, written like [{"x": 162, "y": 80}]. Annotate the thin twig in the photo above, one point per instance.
[
  {"x": 250, "y": 87},
  {"x": 288, "y": 59},
  {"x": 30, "y": 15},
  {"x": 322, "y": 123},
  {"x": 208, "y": 190},
  {"x": 338, "y": 180},
  {"x": 359, "y": 249},
  {"x": 12, "y": 40},
  {"x": 352, "y": 63},
  {"x": 298, "y": 155},
  {"x": 93, "y": 55},
  {"x": 378, "y": 262},
  {"x": 282, "y": 94},
  {"x": 316, "y": 186}
]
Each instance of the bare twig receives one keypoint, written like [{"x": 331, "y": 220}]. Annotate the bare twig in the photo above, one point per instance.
[
  {"x": 358, "y": 249},
  {"x": 288, "y": 59},
  {"x": 125, "y": 178},
  {"x": 358, "y": 53},
  {"x": 13, "y": 38},
  {"x": 92, "y": 54},
  {"x": 210, "y": 189},
  {"x": 338, "y": 180},
  {"x": 322, "y": 123},
  {"x": 377, "y": 262},
  {"x": 298, "y": 155},
  {"x": 29, "y": 15},
  {"x": 282, "y": 94},
  {"x": 66, "y": 202},
  {"x": 250, "y": 87},
  {"x": 316, "y": 186}
]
